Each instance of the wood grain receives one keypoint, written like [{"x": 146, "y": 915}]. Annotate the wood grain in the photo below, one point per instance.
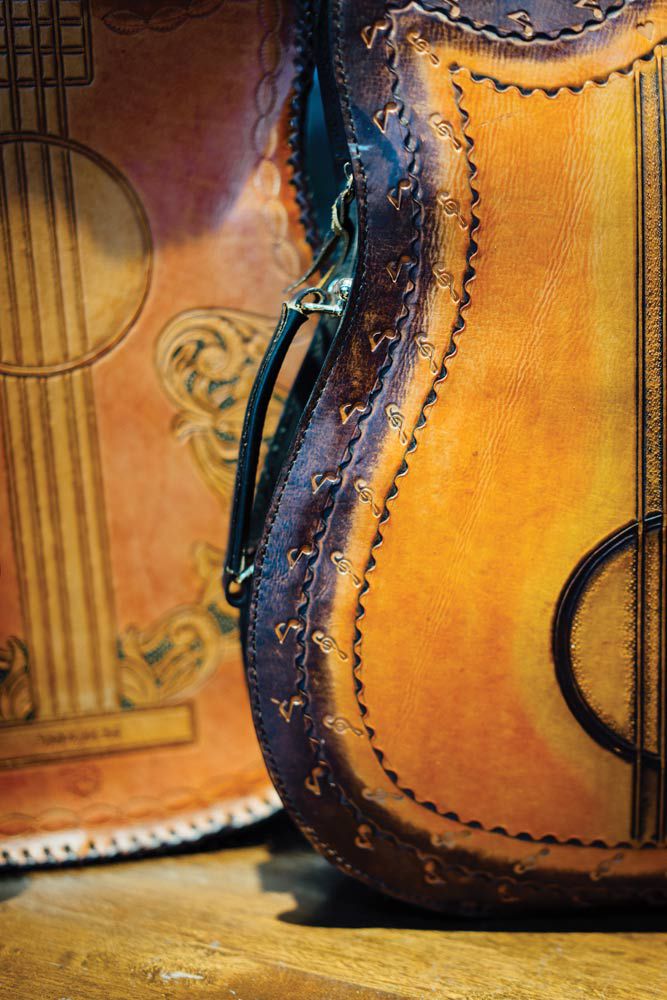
[{"x": 258, "y": 921}]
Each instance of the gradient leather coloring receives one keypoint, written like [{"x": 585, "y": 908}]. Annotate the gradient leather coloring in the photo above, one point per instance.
[
  {"x": 148, "y": 227},
  {"x": 460, "y": 681}
]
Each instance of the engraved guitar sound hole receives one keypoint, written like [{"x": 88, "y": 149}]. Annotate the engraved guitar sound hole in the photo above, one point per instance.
[
  {"x": 609, "y": 660},
  {"x": 69, "y": 213}
]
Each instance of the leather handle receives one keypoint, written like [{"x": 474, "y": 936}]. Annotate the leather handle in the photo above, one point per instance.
[
  {"x": 236, "y": 571},
  {"x": 310, "y": 300}
]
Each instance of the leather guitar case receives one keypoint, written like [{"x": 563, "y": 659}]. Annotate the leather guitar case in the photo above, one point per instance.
[
  {"x": 457, "y": 628},
  {"x": 148, "y": 228}
]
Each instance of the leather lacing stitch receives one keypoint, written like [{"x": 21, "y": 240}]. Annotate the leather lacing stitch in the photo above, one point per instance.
[{"x": 158, "y": 835}]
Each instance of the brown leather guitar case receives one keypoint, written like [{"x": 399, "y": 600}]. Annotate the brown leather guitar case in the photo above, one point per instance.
[
  {"x": 148, "y": 226},
  {"x": 457, "y": 629}
]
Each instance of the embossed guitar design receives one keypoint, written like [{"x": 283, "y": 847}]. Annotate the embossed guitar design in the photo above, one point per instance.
[
  {"x": 126, "y": 351},
  {"x": 610, "y": 635},
  {"x": 472, "y": 640}
]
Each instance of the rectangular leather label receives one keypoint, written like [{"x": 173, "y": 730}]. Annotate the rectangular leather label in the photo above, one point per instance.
[{"x": 93, "y": 734}]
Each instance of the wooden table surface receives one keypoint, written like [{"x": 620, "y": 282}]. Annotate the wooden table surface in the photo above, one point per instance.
[{"x": 265, "y": 918}]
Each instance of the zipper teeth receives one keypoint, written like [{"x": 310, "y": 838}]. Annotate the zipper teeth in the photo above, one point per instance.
[{"x": 304, "y": 68}]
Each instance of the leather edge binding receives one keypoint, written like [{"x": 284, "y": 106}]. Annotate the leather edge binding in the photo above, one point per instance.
[{"x": 48, "y": 850}]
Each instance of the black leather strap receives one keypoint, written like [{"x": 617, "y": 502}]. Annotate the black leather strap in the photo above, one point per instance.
[
  {"x": 236, "y": 569},
  {"x": 311, "y": 300}
]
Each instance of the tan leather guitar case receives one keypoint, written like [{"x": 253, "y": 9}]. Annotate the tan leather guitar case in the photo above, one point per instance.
[
  {"x": 148, "y": 227},
  {"x": 457, "y": 632}
]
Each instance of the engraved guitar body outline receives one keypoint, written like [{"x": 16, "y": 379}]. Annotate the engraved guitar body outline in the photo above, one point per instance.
[{"x": 497, "y": 884}]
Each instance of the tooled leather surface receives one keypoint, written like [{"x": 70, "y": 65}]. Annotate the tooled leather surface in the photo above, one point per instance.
[
  {"x": 549, "y": 834},
  {"x": 233, "y": 240},
  {"x": 533, "y": 22},
  {"x": 349, "y": 820},
  {"x": 438, "y": 387}
]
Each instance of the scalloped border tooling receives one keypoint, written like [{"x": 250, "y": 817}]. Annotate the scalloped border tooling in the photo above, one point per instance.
[
  {"x": 504, "y": 883},
  {"x": 393, "y": 492},
  {"x": 124, "y": 21},
  {"x": 550, "y": 93},
  {"x": 271, "y": 57},
  {"x": 511, "y": 35},
  {"x": 432, "y": 397}
]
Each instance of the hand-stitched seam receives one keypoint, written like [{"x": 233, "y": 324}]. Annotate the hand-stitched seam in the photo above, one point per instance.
[{"x": 157, "y": 836}]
